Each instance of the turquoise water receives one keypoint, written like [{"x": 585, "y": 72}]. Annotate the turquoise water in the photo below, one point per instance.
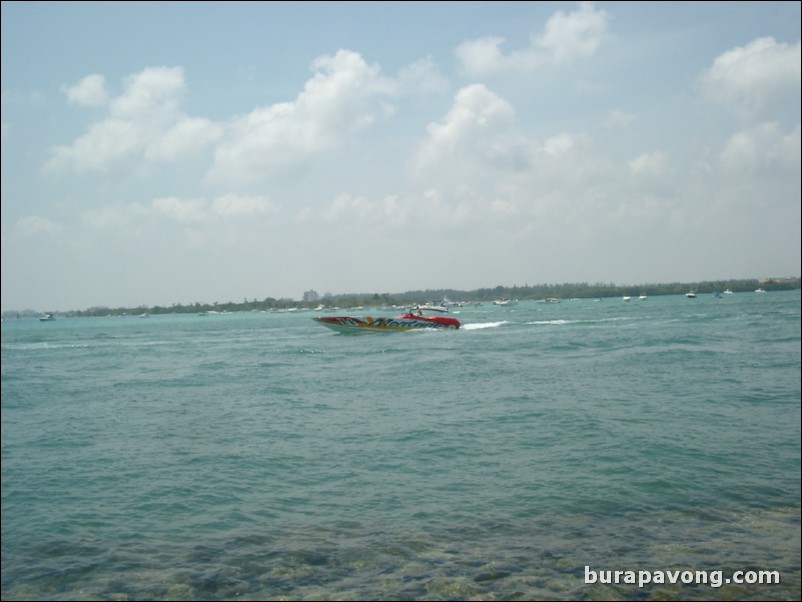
[{"x": 261, "y": 456}]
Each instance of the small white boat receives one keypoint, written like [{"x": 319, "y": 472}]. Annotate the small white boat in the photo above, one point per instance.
[
  {"x": 626, "y": 298},
  {"x": 760, "y": 290},
  {"x": 505, "y": 302},
  {"x": 728, "y": 292},
  {"x": 433, "y": 307},
  {"x": 690, "y": 295},
  {"x": 47, "y": 318}
]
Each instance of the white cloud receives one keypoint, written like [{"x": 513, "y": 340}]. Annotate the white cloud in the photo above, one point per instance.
[
  {"x": 153, "y": 93},
  {"x": 755, "y": 79},
  {"x": 188, "y": 136},
  {"x": 363, "y": 210},
  {"x": 483, "y": 56},
  {"x": 480, "y": 130},
  {"x": 566, "y": 37},
  {"x": 143, "y": 122},
  {"x": 183, "y": 211},
  {"x": 236, "y": 206},
  {"x": 654, "y": 163},
  {"x": 343, "y": 96},
  {"x": 104, "y": 144},
  {"x": 619, "y": 118},
  {"x": 576, "y": 34},
  {"x": 422, "y": 77},
  {"x": 89, "y": 92},
  {"x": 229, "y": 221},
  {"x": 558, "y": 145},
  {"x": 763, "y": 149},
  {"x": 478, "y": 166},
  {"x": 36, "y": 226}
]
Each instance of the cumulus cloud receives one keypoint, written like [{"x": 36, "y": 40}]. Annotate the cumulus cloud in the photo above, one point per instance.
[
  {"x": 654, "y": 163},
  {"x": 566, "y": 37},
  {"x": 237, "y": 206},
  {"x": 153, "y": 93},
  {"x": 35, "y": 226},
  {"x": 576, "y": 34},
  {"x": 182, "y": 211},
  {"x": 89, "y": 92},
  {"x": 619, "y": 118},
  {"x": 186, "y": 137},
  {"x": 755, "y": 79},
  {"x": 558, "y": 145},
  {"x": 192, "y": 215},
  {"x": 344, "y": 95},
  {"x": 763, "y": 149},
  {"x": 480, "y": 127},
  {"x": 478, "y": 164},
  {"x": 226, "y": 207},
  {"x": 143, "y": 122},
  {"x": 364, "y": 210},
  {"x": 422, "y": 76}
]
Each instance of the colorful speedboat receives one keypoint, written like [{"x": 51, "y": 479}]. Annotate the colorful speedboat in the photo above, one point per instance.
[{"x": 367, "y": 325}]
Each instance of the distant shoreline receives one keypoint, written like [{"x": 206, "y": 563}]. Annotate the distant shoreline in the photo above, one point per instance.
[{"x": 482, "y": 295}]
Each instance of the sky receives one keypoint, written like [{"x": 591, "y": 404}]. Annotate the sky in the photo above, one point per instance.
[{"x": 199, "y": 152}]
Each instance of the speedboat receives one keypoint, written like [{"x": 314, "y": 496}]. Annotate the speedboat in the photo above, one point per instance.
[
  {"x": 47, "y": 318},
  {"x": 411, "y": 320}
]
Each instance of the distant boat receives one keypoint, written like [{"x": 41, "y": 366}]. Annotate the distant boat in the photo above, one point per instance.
[
  {"x": 642, "y": 296},
  {"x": 433, "y": 307},
  {"x": 690, "y": 295},
  {"x": 626, "y": 298},
  {"x": 47, "y": 318},
  {"x": 505, "y": 302},
  {"x": 728, "y": 292},
  {"x": 760, "y": 290}
]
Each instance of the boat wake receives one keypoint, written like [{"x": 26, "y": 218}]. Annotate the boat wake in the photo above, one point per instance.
[
  {"x": 482, "y": 325},
  {"x": 566, "y": 322}
]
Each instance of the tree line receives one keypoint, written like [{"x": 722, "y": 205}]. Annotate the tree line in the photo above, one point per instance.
[{"x": 580, "y": 290}]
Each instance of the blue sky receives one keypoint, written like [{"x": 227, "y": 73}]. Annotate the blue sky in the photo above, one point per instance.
[{"x": 182, "y": 152}]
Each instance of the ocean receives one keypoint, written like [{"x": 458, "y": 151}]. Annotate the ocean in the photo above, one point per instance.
[{"x": 582, "y": 450}]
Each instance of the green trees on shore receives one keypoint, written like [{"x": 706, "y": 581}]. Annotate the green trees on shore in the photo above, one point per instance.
[{"x": 580, "y": 290}]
